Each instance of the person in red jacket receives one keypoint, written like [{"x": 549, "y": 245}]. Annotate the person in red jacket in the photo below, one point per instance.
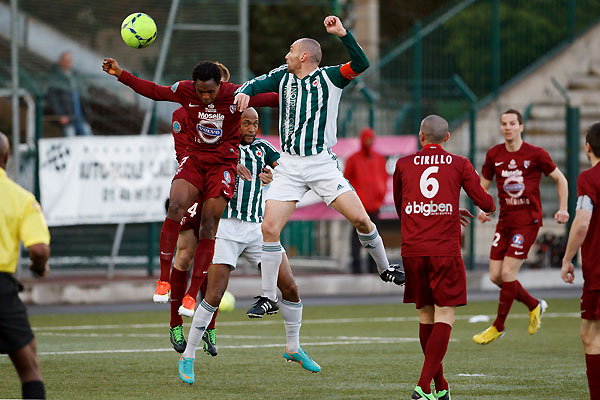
[{"x": 365, "y": 170}]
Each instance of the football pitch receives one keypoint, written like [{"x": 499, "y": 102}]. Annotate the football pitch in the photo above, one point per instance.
[{"x": 366, "y": 352}]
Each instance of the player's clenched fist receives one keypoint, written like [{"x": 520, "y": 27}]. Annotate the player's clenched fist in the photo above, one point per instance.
[
  {"x": 562, "y": 216},
  {"x": 110, "y": 66},
  {"x": 334, "y": 26}
]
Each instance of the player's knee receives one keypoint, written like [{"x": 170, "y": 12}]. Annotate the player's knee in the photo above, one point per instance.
[
  {"x": 184, "y": 260},
  {"x": 269, "y": 231},
  {"x": 176, "y": 209},
  {"x": 362, "y": 223},
  {"x": 496, "y": 280}
]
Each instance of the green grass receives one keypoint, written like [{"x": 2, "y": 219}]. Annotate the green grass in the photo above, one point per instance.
[{"x": 549, "y": 364}]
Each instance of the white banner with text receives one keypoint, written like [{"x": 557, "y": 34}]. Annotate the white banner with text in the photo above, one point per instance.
[{"x": 105, "y": 179}]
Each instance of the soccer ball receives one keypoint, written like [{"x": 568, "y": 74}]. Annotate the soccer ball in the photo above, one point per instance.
[
  {"x": 227, "y": 302},
  {"x": 138, "y": 30}
]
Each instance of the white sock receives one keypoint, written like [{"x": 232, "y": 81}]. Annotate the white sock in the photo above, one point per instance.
[
  {"x": 374, "y": 245},
  {"x": 202, "y": 317},
  {"x": 269, "y": 268},
  {"x": 292, "y": 318}
]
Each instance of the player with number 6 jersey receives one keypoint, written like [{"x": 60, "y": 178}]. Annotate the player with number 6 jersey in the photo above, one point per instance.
[{"x": 427, "y": 186}]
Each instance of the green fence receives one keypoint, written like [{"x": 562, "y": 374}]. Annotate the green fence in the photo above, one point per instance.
[{"x": 487, "y": 43}]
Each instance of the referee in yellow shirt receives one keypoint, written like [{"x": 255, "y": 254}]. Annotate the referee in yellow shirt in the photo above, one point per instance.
[{"x": 21, "y": 219}]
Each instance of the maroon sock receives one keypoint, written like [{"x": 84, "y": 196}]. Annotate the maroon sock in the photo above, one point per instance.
[
  {"x": 178, "y": 284},
  {"x": 438, "y": 378},
  {"x": 508, "y": 292},
  {"x": 592, "y": 362},
  {"x": 434, "y": 354},
  {"x": 213, "y": 320},
  {"x": 524, "y": 297},
  {"x": 202, "y": 259},
  {"x": 168, "y": 242}
]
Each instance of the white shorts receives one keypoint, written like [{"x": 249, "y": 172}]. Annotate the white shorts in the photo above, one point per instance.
[
  {"x": 237, "y": 238},
  {"x": 296, "y": 175}
]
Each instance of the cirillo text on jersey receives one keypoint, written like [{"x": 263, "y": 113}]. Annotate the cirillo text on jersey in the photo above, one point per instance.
[{"x": 433, "y": 159}]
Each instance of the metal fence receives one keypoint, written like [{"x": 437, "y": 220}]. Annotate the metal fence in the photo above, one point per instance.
[{"x": 487, "y": 43}]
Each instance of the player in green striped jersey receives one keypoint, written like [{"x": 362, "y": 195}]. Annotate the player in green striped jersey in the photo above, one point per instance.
[
  {"x": 309, "y": 98},
  {"x": 239, "y": 234}
]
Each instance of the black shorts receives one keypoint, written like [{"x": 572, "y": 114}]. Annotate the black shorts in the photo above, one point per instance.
[{"x": 15, "y": 331}]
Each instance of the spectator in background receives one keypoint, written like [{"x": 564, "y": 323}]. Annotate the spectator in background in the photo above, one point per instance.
[
  {"x": 64, "y": 98},
  {"x": 365, "y": 170},
  {"x": 22, "y": 220}
]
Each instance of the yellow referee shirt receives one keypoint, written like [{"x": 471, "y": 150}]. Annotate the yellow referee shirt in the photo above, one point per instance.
[{"x": 21, "y": 218}]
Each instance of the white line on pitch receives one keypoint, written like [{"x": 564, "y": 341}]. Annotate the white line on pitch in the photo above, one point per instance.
[
  {"x": 279, "y": 321},
  {"x": 248, "y": 346}
]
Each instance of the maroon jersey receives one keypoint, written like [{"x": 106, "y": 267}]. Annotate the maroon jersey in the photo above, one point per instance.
[
  {"x": 518, "y": 177},
  {"x": 588, "y": 184},
  {"x": 215, "y": 132},
  {"x": 180, "y": 131},
  {"x": 427, "y": 192}
]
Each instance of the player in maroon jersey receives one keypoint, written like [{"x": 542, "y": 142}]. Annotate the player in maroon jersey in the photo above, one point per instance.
[
  {"x": 187, "y": 242},
  {"x": 427, "y": 186},
  {"x": 585, "y": 233},
  {"x": 210, "y": 163},
  {"x": 518, "y": 167}
]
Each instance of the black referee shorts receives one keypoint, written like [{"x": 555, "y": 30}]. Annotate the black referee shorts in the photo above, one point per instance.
[{"x": 15, "y": 331}]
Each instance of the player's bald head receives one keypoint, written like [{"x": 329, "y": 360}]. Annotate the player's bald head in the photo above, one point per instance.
[
  {"x": 250, "y": 112},
  {"x": 434, "y": 129},
  {"x": 4, "y": 150},
  {"x": 310, "y": 47}
]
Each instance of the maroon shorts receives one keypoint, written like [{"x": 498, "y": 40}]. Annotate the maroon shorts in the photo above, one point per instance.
[
  {"x": 435, "y": 280},
  {"x": 590, "y": 305},
  {"x": 192, "y": 217},
  {"x": 212, "y": 180},
  {"x": 513, "y": 242}
]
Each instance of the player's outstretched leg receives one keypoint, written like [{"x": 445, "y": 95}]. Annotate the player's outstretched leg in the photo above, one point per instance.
[
  {"x": 508, "y": 292},
  {"x": 178, "y": 285},
  {"x": 202, "y": 318},
  {"x": 202, "y": 258},
  {"x": 292, "y": 318},
  {"x": 168, "y": 241},
  {"x": 291, "y": 311},
  {"x": 269, "y": 270}
]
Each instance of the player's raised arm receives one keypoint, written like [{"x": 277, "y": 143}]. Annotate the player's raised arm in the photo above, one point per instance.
[
  {"x": 141, "y": 86},
  {"x": 261, "y": 84},
  {"x": 359, "y": 62}
]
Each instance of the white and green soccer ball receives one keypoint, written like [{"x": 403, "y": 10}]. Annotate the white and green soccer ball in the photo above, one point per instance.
[
  {"x": 227, "y": 302},
  {"x": 138, "y": 30}
]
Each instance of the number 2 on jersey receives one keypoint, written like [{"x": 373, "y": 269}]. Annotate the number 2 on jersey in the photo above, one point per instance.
[{"x": 427, "y": 181}]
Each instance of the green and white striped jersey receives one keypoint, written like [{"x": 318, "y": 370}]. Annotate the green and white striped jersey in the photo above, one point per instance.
[
  {"x": 246, "y": 203},
  {"x": 308, "y": 107}
]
